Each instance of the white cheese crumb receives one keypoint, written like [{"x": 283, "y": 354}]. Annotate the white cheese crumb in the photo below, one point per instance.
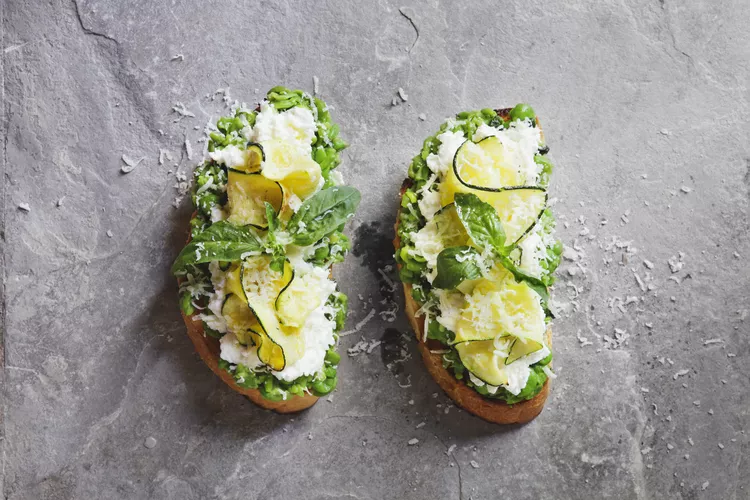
[
  {"x": 413, "y": 441},
  {"x": 110, "y": 233},
  {"x": 451, "y": 448},
  {"x": 25, "y": 207},
  {"x": 178, "y": 57},
  {"x": 420, "y": 425},
  {"x": 60, "y": 201},
  {"x": 686, "y": 189},
  {"x": 188, "y": 149},
  {"x": 402, "y": 94},
  {"x": 422, "y": 116},
  {"x": 316, "y": 84},
  {"x": 150, "y": 442},
  {"x": 130, "y": 164},
  {"x": 680, "y": 374},
  {"x": 648, "y": 263},
  {"x": 181, "y": 110},
  {"x": 474, "y": 464},
  {"x": 697, "y": 402},
  {"x": 705, "y": 485}
]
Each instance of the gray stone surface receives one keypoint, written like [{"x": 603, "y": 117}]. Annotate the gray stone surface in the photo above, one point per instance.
[{"x": 103, "y": 394}]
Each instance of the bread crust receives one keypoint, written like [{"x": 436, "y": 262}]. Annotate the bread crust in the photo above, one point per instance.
[{"x": 491, "y": 410}]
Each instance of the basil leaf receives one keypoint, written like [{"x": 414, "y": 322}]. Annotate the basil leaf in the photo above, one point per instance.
[
  {"x": 480, "y": 221},
  {"x": 455, "y": 265},
  {"x": 322, "y": 213},
  {"x": 221, "y": 241}
]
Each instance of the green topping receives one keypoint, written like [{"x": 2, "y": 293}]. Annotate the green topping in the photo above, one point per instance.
[
  {"x": 219, "y": 241},
  {"x": 322, "y": 213},
  {"x": 522, "y": 112},
  {"x": 456, "y": 265},
  {"x": 480, "y": 221}
]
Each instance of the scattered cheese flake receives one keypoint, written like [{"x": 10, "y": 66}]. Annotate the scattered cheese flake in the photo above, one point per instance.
[
  {"x": 413, "y": 441},
  {"x": 178, "y": 57},
  {"x": 60, "y": 201},
  {"x": 402, "y": 94},
  {"x": 130, "y": 164},
  {"x": 705, "y": 485},
  {"x": 110, "y": 233},
  {"x": 188, "y": 149},
  {"x": 474, "y": 464},
  {"x": 697, "y": 402},
  {"x": 648, "y": 263},
  {"x": 686, "y": 189},
  {"x": 150, "y": 442},
  {"x": 25, "y": 207},
  {"x": 420, "y": 425},
  {"x": 316, "y": 84},
  {"x": 181, "y": 110},
  {"x": 680, "y": 374},
  {"x": 422, "y": 116}
]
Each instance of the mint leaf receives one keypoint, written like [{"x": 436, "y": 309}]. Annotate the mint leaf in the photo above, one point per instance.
[{"x": 455, "y": 265}]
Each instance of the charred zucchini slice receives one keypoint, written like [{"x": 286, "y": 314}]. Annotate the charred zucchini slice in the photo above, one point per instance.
[
  {"x": 294, "y": 168},
  {"x": 246, "y": 194},
  {"x": 481, "y": 168},
  {"x": 479, "y": 358},
  {"x": 254, "y": 157},
  {"x": 298, "y": 300},
  {"x": 261, "y": 286},
  {"x": 501, "y": 306}
]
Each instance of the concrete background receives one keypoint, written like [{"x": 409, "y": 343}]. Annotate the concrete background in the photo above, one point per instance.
[{"x": 645, "y": 107}]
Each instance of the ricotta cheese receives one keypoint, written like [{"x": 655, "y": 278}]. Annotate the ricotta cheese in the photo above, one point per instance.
[
  {"x": 518, "y": 371},
  {"x": 296, "y": 125},
  {"x": 237, "y": 354},
  {"x": 318, "y": 335},
  {"x": 449, "y": 143},
  {"x": 231, "y": 156}
]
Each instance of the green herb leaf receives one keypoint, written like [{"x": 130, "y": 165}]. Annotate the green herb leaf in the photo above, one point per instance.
[
  {"x": 455, "y": 265},
  {"x": 480, "y": 221},
  {"x": 534, "y": 283},
  {"x": 322, "y": 214},
  {"x": 220, "y": 241}
]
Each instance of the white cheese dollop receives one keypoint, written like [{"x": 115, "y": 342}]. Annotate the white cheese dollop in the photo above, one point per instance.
[
  {"x": 296, "y": 125},
  {"x": 238, "y": 354},
  {"x": 449, "y": 143},
  {"x": 231, "y": 156},
  {"x": 317, "y": 333}
]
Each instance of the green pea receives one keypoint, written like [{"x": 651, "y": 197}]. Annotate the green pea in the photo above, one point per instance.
[
  {"x": 521, "y": 112},
  {"x": 323, "y": 387},
  {"x": 329, "y": 371},
  {"x": 186, "y": 304},
  {"x": 333, "y": 357}
]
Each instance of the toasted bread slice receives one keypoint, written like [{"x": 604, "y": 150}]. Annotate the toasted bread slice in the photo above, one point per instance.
[
  {"x": 491, "y": 410},
  {"x": 208, "y": 349}
]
